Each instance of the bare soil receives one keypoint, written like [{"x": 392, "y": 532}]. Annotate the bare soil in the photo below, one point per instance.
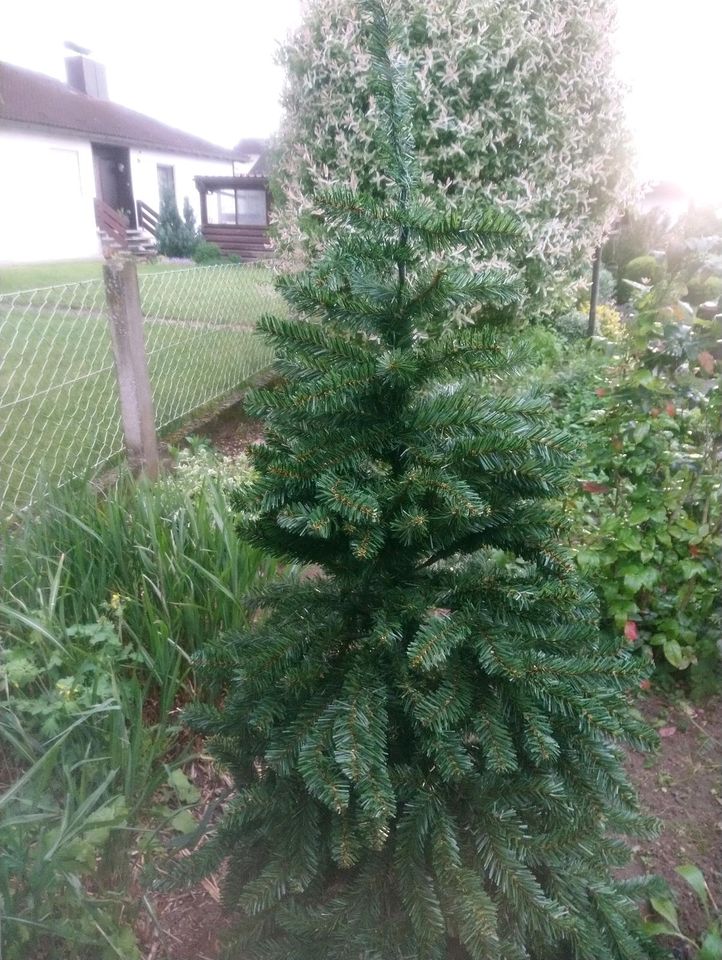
[{"x": 682, "y": 785}]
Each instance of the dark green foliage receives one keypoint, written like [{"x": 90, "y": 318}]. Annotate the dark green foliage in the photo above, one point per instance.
[
  {"x": 189, "y": 222},
  {"x": 701, "y": 289},
  {"x": 176, "y": 237},
  {"x": 637, "y": 235},
  {"x": 645, "y": 269},
  {"x": 648, "y": 511},
  {"x": 420, "y": 732},
  {"x": 208, "y": 253}
]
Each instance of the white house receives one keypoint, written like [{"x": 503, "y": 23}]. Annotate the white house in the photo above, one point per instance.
[{"x": 70, "y": 160}]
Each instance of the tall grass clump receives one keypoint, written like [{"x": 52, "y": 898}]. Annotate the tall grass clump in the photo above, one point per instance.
[{"x": 104, "y": 597}]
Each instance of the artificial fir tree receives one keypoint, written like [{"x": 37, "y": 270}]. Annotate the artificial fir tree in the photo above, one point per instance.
[{"x": 420, "y": 731}]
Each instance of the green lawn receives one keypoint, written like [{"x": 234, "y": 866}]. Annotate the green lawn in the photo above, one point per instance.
[
  {"x": 25, "y": 276},
  {"x": 58, "y": 401}
]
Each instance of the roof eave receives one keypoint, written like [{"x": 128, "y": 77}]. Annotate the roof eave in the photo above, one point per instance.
[{"x": 134, "y": 142}]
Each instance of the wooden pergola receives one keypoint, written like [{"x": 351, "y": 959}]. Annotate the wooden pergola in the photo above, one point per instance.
[{"x": 239, "y": 235}]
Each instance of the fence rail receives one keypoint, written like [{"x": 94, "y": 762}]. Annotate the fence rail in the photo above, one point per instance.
[{"x": 60, "y": 414}]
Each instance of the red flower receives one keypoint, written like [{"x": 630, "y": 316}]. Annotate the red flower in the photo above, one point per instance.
[
  {"x": 600, "y": 392},
  {"x": 630, "y": 631},
  {"x": 645, "y": 685},
  {"x": 694, "y": 550},
  {"x": 670, "y": 409}
]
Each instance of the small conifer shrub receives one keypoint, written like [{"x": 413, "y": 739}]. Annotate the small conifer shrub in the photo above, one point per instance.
[
  {"x": 189, "y": 222},
  {"x": 176, "y": 236},
  {"x": 421, "y": 732}
]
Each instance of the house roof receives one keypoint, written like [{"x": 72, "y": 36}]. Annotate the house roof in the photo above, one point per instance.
[
  {"x": 262, "y": 166},
  {"x": 251, "y": 146},
  {"x": 31, "y": 98}
]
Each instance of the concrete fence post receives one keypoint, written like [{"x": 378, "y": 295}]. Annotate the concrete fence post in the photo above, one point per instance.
[{"x": 126, "y": 330}]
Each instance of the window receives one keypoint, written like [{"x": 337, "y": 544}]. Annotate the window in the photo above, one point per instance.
[
  {"x": 251, "y": 208},
  {"x": 166, "y": 181},
  {"x": 243, "y": 208}
]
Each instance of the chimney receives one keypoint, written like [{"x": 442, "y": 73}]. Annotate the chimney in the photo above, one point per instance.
[{"x": 86, "y": 76}]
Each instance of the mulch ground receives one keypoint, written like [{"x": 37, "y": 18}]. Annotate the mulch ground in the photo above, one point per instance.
[{"x": 681, "y": 785}]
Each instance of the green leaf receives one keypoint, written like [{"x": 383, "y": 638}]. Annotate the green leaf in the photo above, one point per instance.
[
  {"x": 639, "y": 515},
  {"x": 636, "y": 576},
  {"x": 588, "y": 559},
  {"x": 695, "y": 878},
  {"x": 690, "y": 569},
  {"x": 184, "y": 822},
  {"x": 711, "y": 948},
  {"x": 186, "y": 791},
  {"x": 666, "y": 909},
  {"x": 677, "y": 655},
  {"x": 653, "y": 929}
]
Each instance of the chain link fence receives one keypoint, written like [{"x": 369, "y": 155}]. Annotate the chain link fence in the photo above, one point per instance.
[{"x": 59, "y": 408}]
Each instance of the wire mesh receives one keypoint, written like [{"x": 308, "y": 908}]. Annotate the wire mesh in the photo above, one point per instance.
[
  {"x": 200, "y": 339},
  {"x": 59, "y": 410}
]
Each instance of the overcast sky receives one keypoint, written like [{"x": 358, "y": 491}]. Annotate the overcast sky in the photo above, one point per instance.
[{"x": 209, "y": 68}]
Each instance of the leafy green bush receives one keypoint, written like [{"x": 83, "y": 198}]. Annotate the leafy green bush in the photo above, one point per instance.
[
  {"x": 543, "y": 345},
  {"x": 649, "y": 507},
  {"x": 609, "y": 323},
  {"x": 645, "y": 269},
  {"x": 701, "y": 289},
  {"x": 572, "y": 325},
  {"x": 103, "y": 600},
  {"x": 206, "y": 252},
  {"x": 418, "y": 736},
  {"x": 484, "y": 74}
]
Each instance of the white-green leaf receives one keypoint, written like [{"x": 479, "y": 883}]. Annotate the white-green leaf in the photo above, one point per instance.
[
  {"x": 666, "y": 909},
  {"x": 694, "y": 877}
]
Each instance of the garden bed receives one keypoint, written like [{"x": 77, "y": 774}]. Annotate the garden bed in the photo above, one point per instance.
[{"x": 681, "y": 785}]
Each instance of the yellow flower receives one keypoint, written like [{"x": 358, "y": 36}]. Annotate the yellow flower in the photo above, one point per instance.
[{"x": 115, "y": 601}]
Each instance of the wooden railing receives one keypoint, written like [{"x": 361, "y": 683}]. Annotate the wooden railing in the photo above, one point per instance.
[
  {"x": 113, "y": 223},
  {"x": 147, "y": 218}
]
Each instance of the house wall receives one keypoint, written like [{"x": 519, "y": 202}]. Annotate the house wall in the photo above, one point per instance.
[
  {"x": 47, "y": 188},
  {"x": 144, "y": 171}
]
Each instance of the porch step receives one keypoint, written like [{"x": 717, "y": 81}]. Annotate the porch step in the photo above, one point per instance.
[
  {"x": 141, "y": 244},
  {"x": 138, "y": 243}
]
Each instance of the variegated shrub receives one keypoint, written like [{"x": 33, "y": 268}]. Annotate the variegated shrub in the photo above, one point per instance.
[{"x": 516, "y": 103}]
